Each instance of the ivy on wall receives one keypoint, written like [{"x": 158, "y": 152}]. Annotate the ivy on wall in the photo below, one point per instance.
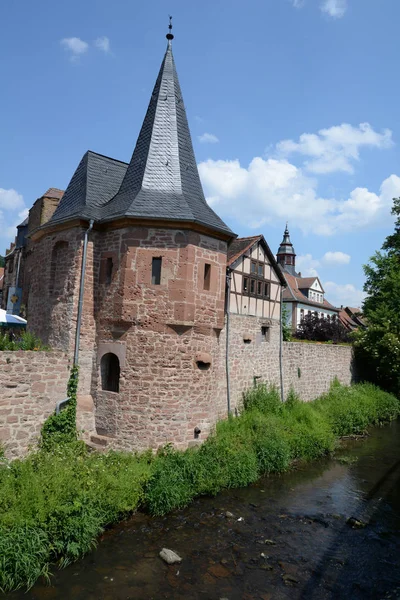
[{"x": 61, "y": 428}]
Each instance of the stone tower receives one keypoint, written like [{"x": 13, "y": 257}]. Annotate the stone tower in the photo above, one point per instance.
[
  {"x": 286, "y": 256},
  {"x": 153, "y": 306}
]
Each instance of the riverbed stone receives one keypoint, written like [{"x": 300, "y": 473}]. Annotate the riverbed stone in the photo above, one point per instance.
[{"x": 169, "y": 556}]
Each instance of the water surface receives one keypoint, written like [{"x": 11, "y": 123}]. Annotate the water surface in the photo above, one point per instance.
[{"x": 288, "y": 539}]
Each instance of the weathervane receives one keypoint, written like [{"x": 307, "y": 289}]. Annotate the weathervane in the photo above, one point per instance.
[{"x": 169, "y": 35}]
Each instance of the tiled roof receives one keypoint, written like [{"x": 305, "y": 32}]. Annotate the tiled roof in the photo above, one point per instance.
[
  {"x": 293, "y": 294},
  {"x": 240, "y": 245},
  {"x": 347, "y": 321},
  {"x": 53, "y": 193},
  {"x": 161, "y": 181},
  {"x": 304, "y": 283}
]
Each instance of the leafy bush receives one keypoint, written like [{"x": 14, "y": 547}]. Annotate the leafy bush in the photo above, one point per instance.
[
  {"x": 316, "y": 329},
  {"x": 61, "y": 428},
  {"x": 20, "y": 340}
]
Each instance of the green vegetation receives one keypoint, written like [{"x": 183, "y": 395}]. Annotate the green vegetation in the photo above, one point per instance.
[
  {"x": 61, "y": 428},
  {"x": 2, "y": 261},
  {"x": 54, "y": 504},
  {"x": 20, "y": 340},
  {"x": 377, "y": 349}
]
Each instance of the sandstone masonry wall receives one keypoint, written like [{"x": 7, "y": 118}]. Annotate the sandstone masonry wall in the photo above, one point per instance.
[
  {"x": 311, "y": 368},
  {"x": 31, "y": 383}
]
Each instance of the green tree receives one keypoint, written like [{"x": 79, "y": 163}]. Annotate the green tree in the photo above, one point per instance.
[
  {"x": 378, "y": 347},
  {"x": 2, "y": 261}
]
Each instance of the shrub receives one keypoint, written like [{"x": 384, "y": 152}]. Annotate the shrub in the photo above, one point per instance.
[{"x": 14, "y": 340}]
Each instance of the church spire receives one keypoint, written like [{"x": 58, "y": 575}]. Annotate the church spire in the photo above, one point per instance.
[
  {"x": 286, "y": 256},
  {"x": 162, "y": 181}
]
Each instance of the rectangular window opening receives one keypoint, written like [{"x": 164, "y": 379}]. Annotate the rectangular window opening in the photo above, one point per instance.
[
  {"x": 245, "y": 285},
  {"x": 253, "y": 269},
  {"x": 266, "y": 290},
  {"x": 207, "y": 276},
  {"x": 252, "y": 286},
  {"x": 156, "y": 271},
  {"x": 265, "y": 333},
  {"x": 260, "y": 270},
  {"x": 109, "y": 270},
  {"x": 259, "y": 288}
]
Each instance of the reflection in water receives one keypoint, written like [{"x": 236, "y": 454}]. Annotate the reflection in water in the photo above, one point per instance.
[{"x": 294, "y": 541}]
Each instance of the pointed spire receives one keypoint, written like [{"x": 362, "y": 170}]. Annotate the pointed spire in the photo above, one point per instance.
[
  {"x": 162, "y": 180},
  {"x": 170, "y": 35},
  {"x": 286, "y": 256}
]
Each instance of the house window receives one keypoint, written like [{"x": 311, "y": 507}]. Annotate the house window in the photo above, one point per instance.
[
  {"x": 110, "y": 372},
  {"x": 253, "y": 269},
  {"x": 265, "y": 333},
  {"x": 301, "y": 314},
  {"x": 266, "y": 290},
  {"x": 260, "y": 270},
  {"x": 245, "y": 285},
  {"x": 109, "y": 270},
  {"x": 207, "y": 277},
  {"x": 259, "y": 288},
  {"x": 252, "y": 286},
  {"x": 156, "y": 271}
]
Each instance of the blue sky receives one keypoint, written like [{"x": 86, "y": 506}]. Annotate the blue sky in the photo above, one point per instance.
[{"x": 298, "y": 98}]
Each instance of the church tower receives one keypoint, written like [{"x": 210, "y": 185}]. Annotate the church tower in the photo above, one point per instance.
[{"x": 286, "y": 255}]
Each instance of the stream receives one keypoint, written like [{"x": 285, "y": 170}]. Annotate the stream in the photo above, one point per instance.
[{"x": 288, "y": 538}]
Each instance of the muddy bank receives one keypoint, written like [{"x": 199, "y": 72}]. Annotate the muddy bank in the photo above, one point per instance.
[{"x": 288, "y": 538}]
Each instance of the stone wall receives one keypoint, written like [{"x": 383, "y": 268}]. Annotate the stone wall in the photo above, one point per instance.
[
  {"x": 31, "y": 383},
  {"x": 310, "y": 368}
]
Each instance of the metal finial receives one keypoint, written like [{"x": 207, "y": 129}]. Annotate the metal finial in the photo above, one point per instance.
[{"x": 169, "y": 35}]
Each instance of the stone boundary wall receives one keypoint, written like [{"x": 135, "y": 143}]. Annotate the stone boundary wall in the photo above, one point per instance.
[
  {"x": 311, "y": 368},
  {"x": 30, "y": 385}
]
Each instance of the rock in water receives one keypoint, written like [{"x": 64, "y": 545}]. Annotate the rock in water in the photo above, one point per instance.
[{"x": 169, "y": 556}]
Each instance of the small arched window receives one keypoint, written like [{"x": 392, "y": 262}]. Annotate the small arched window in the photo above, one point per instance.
[{"x": 110, "y": 372}]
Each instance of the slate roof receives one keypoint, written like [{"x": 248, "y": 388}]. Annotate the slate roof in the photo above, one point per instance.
[
  {"x": 24, "y": 222},
  {"x": 293, "y": 294},
  {"x": 94, "y": 182},
  {"x": 161, "y": 181},
  {"x": 286, "y": 246}
]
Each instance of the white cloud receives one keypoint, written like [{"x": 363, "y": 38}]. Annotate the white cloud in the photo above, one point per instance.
[
  {"x": 334, "y": 8},
  {"x": 12, "y": 213},
  {"x": 273, "y": 189},
  {"x": 208, "y": 138},
  {"x": 75, "y": 46},
  {"x": 11, "y": 200},
  {"x": 343, "y": 294},
  {"x": 307, "y": 265},
  {"x": 298, "y": 3},
  {"x": 336, "y": 148},
  {"x": 103, "y": 44},
  {"x": 336, "y": 258}
]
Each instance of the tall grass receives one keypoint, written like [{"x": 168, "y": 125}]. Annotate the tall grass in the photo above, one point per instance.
[{"x": 53, "y": 505}]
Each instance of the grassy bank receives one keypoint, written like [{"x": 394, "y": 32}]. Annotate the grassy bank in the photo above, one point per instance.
[{"x": 53, "y": 505}]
